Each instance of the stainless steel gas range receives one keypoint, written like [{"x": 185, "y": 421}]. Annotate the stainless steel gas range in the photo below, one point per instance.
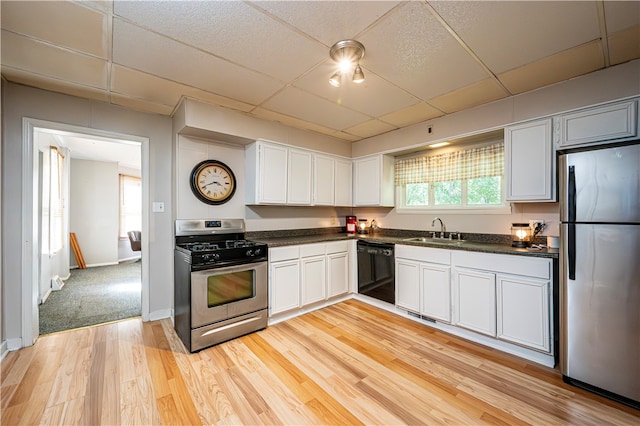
[{"x": 220, "y": 282}]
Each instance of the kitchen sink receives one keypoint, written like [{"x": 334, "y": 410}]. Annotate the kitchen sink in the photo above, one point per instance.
[{"x": 434, "y": 240}]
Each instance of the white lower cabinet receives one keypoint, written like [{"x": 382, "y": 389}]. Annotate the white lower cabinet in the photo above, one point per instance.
[
  {"x": 523, "y": 311},
  {"x": 284, "y": 279},
  {"x": 337, "y": 274},
  {"x": 313, "y": 279},
  {"x": 475, "y": 301},
  {"x": 436, "y": 292},
  {"x": 305, "y": 275},
  {"x": 408, "y": 285},
  {"x": 423, "y": 281}
]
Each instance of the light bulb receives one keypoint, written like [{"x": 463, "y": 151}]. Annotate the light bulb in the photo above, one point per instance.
[{"x": 358, "y": 75}]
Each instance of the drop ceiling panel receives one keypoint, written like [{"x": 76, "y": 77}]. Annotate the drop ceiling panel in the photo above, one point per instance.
[
  {"x": 37, "y": 57},
  {"x": 624, "y": 45},
  {"x": 136, "y": 84},
  {"x": 414, "y": 51},
  {"x": 370, "y": 128},
  {"x": 187, "y": 65},
  {"x": 297, "y": 103},
  {"x": 140, "y": 104},
  {"x": 328, "y": 21},
  {"x": 621, "y": 15},
  {"x": 467, "y": 97},
  {"x": 412, "y": 115},
  {"x": 224, "y": 28},
  {"x": 374, "y": 96},
  {"x": 62, "y": 23},
  {"x": 47, "y": 83},
  {"x": 291, "y": 121},
  {"x": 565, "y": 65},
  {"x": 506, "y": 35}
]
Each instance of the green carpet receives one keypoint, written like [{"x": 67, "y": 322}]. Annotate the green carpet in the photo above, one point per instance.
[{"x": 93, "y": 296}]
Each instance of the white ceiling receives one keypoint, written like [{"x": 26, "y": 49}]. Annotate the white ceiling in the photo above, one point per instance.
[{"x": 270, "y": 59}]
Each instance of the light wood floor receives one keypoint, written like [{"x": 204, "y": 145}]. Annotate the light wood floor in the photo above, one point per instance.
[{"x": 346, "y": 364}]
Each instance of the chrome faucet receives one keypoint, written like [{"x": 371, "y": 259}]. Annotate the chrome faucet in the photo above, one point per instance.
[{"x": 443, "y": 228}]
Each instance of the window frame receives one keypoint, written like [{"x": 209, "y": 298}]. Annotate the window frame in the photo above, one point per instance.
[
  {"x": 464, "y": 208},
  {"x": 121, "y": 178}
]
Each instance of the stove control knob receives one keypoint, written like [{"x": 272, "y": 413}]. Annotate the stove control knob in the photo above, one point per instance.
[
  {"x": 216, "y": 256},
  {"x": 249, "y": 253},
  {"x": 258, "y": 252}
]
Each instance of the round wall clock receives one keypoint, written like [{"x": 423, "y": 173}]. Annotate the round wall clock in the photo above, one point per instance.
[{"x": 213, "y": 182}]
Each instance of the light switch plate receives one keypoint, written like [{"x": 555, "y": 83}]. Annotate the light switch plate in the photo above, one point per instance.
[{"x": 157, "y": 207}]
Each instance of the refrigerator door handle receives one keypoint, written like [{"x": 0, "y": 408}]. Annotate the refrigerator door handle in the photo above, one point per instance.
[
  {"x": 571, "y": 250},
  {"x": 571, "y": 194}
]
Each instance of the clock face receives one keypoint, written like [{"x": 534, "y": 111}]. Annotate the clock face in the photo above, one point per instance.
[{"x": 213, "y": 182}]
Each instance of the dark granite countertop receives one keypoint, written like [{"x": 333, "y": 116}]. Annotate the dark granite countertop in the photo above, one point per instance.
[{"x": 488, "y": 244}]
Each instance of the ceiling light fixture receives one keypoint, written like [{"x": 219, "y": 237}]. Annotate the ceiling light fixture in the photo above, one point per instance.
[{"x": 347, "y": 53}]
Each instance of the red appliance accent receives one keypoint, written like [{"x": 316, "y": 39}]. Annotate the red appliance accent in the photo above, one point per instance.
[{"x": 351, "y": 224}]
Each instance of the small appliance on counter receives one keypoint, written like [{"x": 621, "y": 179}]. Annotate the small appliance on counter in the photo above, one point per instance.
[
  {"x": 520, "y": 235},
  {"x": 363, "y": 226},
  {"x": 351, "y": 224}
]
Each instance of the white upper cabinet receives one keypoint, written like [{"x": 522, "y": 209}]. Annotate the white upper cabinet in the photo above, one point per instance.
[
  {"x": 266, "y": 173},
  {"x": 529, "y": 165},
  {"x": 299, "y": 177},
  {"x": 597, "y": 124},
  {"x": 324, "y": 176},
  {"x": 343, "y": 182},
  {"x": 279, "y": 174},
  {"x": 373, "y": 181}
]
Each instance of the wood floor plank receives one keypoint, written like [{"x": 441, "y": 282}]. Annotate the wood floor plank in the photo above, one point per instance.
[{"x": 349, "y": 363}]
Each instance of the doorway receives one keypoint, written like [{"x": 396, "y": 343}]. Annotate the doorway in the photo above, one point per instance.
[{"x": 92, "y": 150}]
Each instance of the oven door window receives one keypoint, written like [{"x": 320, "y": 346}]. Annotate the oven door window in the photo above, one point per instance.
[{"x": 231, "y": 287}]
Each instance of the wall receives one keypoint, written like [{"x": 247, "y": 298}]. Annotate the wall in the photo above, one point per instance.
[
  {"x": 21, "y": 101},
  {"x": 610, "y": 84},
  {"x": 602, "y": 86},
  {"x": 191, "y": 150},
  {"x": 94, "y": 210}
]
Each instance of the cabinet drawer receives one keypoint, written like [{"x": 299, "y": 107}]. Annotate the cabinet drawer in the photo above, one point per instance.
[
  {"x": 423, "y": 254},
  {"x": 284, "y": 253},
  {"x": 337, "y": 247},
  {"x": 308, "y": 250},
  {"x": 508, "y": 264}
]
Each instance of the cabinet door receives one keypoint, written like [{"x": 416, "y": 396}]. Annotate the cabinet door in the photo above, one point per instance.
[
  {"x": 408, "y": 285},
  {"x": 299, "y": 177},
  {"x": 313, "y": 279},
  {"x": 523, "y": 311},
  {"x": 529, "y": 170},
  {"x": 337, "y": 274},
  {"x": 367, "y": 181},
  {"x": 343, "y": 182},
  {"x": 272, "y": 176},
  {"x": 284, "y": 289},
  {"x": 475, "y": 301},
  {"x": 436, "y": 292},
  {"x": 323, "y": 180},
  {"x": 592, "y": 125}
]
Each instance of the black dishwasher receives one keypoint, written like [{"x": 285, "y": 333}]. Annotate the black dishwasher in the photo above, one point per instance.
[{"x": 376, "y": 271}]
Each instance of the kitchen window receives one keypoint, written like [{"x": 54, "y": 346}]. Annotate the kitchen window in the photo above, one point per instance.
[{"x": 466, "y": 178}]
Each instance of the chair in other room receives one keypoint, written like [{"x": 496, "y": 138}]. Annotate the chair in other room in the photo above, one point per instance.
[{"x": 135, "y": 238}]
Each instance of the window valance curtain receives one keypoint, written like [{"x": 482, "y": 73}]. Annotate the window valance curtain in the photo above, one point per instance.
[{"x": 458, "y": 165}]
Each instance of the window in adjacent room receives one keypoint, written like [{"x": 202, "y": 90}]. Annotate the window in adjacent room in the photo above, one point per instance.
[
  {"x": 465, "y": 178},
  {"x": 130, "y": 204},
  {"x": 56, "y": 200}
]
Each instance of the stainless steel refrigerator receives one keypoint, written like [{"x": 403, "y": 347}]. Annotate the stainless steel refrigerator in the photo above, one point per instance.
[{"x": 600, "y": 270}]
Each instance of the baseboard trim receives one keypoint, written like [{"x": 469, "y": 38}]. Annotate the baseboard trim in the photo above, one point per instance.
[
  {"x": 14, "y": 344},
  {"x": 127, "y": 259},
  {"x": 3, "y": 350},
  {"x": 46, "y": 296},
  {"x": 160, "y": 314}
]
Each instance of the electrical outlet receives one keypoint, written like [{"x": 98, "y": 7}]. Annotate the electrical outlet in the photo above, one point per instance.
[{"x": 333, "y": 220}]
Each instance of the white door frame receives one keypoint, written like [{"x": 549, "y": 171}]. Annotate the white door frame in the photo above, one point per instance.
[{"x": 30, "y": 231}]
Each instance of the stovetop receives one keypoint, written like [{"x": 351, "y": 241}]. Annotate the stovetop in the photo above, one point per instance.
[{"x": 209, "y": 246}]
